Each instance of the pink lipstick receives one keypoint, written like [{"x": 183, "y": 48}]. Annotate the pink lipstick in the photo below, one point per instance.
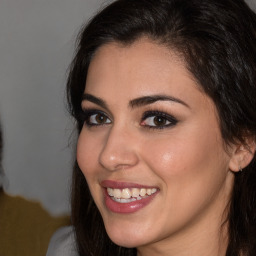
[{"x": 125, "y": 197}]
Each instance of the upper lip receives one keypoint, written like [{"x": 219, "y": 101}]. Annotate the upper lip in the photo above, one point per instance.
[{"x": 122, "y": 185}]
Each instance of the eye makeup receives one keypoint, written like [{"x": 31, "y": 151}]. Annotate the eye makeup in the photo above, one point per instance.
[
  {"x": 94, "y": 117},
  {"x": 155, "y": 119},
  {"x": 152, "y": 119}
]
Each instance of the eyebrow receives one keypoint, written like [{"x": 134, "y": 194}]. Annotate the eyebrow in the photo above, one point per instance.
[
  {"x": 138, "y": 102},
  {"x": 146, "y": 100},
  {"x": 95, "y": 100}
]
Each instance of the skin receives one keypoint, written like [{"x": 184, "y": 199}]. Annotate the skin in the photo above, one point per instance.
[{"x": 186, "y": 161}]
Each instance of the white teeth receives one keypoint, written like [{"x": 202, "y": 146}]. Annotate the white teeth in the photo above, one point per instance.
[
  {"x": 127, "y": 195},
  {"x": 117, "y": 193},
  {"x": 122, "y": 200},
  {"x": 149, "y": 192},
  {"x": 135, "y": 192},
  {"x": 110, "y": 191},
  {"x": 143, "y": 192}
]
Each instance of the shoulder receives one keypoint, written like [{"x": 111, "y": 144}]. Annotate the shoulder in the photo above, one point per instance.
[{"x": 63, "y": 243}]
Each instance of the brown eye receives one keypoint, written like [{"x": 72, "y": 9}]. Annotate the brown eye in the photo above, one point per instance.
[
  {"x": 159, "y": 121},
  {"x": 156, "y": 121},
  {"x": 98, "y": 119}
]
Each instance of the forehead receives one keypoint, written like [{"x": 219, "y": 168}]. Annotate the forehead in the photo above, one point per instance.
[
  {"x": 141, "y": 60},
  {"x": 119, "y": 73}
]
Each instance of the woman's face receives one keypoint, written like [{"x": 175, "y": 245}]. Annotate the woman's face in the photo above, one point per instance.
[{"x": 151, "y": 148}]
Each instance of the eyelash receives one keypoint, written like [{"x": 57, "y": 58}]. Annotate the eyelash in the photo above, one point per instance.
[
  {"x": 159, "y": 114},
  {"x": 87, "y": 114}
]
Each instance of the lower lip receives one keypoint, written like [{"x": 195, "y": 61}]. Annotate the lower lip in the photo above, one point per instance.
[{"x": 127, "y": 207}]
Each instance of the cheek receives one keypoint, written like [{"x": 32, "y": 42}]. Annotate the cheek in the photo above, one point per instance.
[
  {"x": 191, "y": 175},
  {"x": 187, "y": 160},
  {"x": 171, "y": 156}
]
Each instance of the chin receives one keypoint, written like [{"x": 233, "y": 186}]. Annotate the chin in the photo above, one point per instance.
[
  {"x": 127, "y": 243},
  {"x": 126, "y": 239}
]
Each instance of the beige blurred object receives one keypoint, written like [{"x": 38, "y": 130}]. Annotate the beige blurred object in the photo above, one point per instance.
[{"x": 26, "y": 228}]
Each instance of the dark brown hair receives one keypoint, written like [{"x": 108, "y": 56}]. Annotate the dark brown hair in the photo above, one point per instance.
[{"x": 217, "y": 38}]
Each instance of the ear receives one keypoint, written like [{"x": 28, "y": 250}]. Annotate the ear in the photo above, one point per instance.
[{"x": 242, "y": 155}]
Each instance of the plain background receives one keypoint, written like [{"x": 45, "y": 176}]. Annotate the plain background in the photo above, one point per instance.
[{"x": 37, "y": 39}]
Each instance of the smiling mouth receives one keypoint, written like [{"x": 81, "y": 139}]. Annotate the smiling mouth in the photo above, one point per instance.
[{"x": 128, "y": 195}]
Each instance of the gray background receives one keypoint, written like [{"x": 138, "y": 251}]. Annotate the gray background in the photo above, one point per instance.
[{"x": 36, "y": 46}]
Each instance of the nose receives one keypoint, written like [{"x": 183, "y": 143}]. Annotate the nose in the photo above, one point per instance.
[{"x": 119, "y": 150}]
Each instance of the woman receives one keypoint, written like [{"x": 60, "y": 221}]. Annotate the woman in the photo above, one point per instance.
[{"x": 164, "y": 95}]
